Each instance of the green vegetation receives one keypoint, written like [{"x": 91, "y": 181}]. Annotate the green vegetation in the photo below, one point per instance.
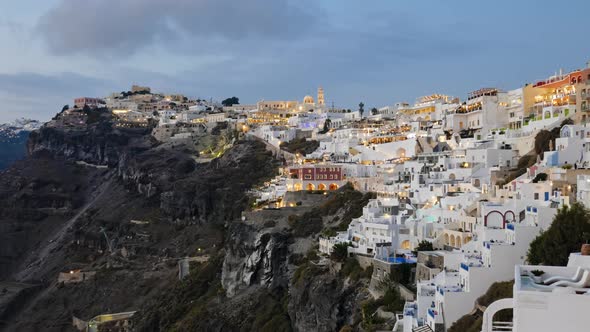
[
  {"x": 353, "y": 270},
  {"x": 300, "y": 145},
  {"x": 326, "y": 128},
  {"x": 306, "y": 268},
  {"x": 186, "y": 303},
  {"x": 569, "y": 230},
  {"x": 361, "y": 108},
  {"x": 391, "y": 300},
  {"x": 424, "y": 246},
  {"x": 349, "y": 199},
  {"x": 271, "y": 313},
  {"x": 370, "y": 320},
  {"x": 231, "y": 101},
  {"x": 541, "y": 177},
  {"x": 340, "y": 251},
  {"x": 346, "y": 198},
  {"x": 497, "y": 291}
]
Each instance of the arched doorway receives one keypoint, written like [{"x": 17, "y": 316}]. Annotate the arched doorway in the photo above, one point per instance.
[
  {"x": 333, "y": 186},
  {"x": 509, "y": 216},
  {"x": 406, "y": 244},
  {"x": 452, "y": 176},
  {"x": 321, "y": 186},
  {"x": 447, "y": 239},
  {"x": 297, "y": 187},
  {"x": 459, "y": 242},
  {"x": 310, "y": 186},
  {"x": 494, "y": 219},
  {"x": 453, "y": 241}
]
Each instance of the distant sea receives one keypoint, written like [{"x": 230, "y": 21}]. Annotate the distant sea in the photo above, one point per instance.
[{"x": 12, "y": 148}]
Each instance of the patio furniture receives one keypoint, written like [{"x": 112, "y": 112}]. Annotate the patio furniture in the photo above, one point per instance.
[
  {"x": 575, "y": 278},
  {"x": 582, "y": 285}
]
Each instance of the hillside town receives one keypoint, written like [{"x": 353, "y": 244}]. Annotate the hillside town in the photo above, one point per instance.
[{"x": 475, "y": 179}]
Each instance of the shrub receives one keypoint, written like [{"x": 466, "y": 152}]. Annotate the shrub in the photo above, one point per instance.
[
  {"x": 424, "y": 246},
  {"x": 541, "y": 177},
  {"x": 340, "y": 251},
  {"x": 352, "y": 269},
  {"x": 567, "y": 233}
]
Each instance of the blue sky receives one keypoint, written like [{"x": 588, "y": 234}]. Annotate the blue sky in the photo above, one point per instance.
[{"x": 379, "y": 52}]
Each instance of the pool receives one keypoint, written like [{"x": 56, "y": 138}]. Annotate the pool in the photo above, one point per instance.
[{"x": 400, "y": 260}]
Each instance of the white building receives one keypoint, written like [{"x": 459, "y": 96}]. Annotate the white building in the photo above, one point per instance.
[{"x": 557, "y": 301}]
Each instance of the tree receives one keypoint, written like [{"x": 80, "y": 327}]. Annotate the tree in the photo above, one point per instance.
[
  {"x": 231, "y": 101},
  {"x": 327, "y": 124},
  {"x": 541, "y": 177},
  {"x": 340, "y": 251},
  {"x": 569, "y": 230},
  {"x": 374, "y": 111},
  {"x": 424, "y": 246},
  {"x": 361, "y": 108},
  {"x": 65, "y": 108}
]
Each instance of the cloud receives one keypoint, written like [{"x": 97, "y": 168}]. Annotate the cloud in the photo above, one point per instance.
[
  {"x": 33, "y": 84},
  {"x": 41, "y": 96},
  {"x": 99, "y": 27}
]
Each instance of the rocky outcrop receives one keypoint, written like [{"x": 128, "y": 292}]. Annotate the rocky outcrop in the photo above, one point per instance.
[
  {"x": 255, "y": 258},
  {"x": 99, "y": 145},
  {"x": 186, "y": 192},
  {"x": 324, "y": 303}
]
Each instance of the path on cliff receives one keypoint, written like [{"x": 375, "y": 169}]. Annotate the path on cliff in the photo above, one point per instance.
[{"x": 36, "y": 258}]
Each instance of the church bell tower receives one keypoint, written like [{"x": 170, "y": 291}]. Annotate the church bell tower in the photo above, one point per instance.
[{"x": 321, "y": 100}]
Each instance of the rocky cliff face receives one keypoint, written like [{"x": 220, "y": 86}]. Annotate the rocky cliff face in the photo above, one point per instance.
[
  {"x": 255, "y": 257},
  {"x": 155, "y": 205}
]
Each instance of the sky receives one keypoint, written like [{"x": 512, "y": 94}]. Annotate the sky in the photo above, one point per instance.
[{"x": 379, "y": 52}]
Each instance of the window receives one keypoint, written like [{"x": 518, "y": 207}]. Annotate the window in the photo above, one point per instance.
[{"x": 536, "y": 196}]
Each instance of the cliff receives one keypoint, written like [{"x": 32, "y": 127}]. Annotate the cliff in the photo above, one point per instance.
[{"x": 116, "y": 202}]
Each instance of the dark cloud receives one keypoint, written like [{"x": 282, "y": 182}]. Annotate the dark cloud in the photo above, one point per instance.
[{"x": 100, "y": 27}]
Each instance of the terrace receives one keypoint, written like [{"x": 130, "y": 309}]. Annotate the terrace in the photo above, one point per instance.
[
  {"x": 553, "y": 279},
  {"x": 473, "y": 260}
]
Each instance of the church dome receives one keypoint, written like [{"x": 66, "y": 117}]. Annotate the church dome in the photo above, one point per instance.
[{"x": 308, "y": 100}]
